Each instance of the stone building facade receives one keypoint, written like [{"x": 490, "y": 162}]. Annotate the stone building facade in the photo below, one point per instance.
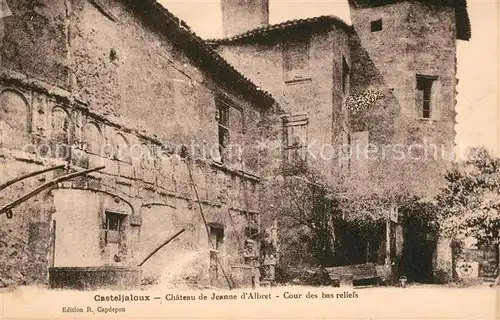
[
  {"x": 305, "y": 66},
  {"x": 125, "y": 85}
]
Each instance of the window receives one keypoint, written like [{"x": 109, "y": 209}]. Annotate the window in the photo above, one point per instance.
[
  {"x": 295, "y": 141},
  {"x": 230, "y": 130},
  {"x": 223, "y": 111},
  {"x": 113, "y": 230},
  {"x": 296, "y": 60},
  {"x": 346, "y": 77},
  {"x": 424, "y": 95},
  {"x": 376, "y": 25}
]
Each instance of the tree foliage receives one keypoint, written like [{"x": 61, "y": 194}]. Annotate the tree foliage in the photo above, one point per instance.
[
  {"x": 306, "y": 212},
  {"x": 470, "y": 202}
]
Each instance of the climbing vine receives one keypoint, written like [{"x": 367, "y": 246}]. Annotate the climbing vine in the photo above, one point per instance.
[{"x": 358, "y": 102}]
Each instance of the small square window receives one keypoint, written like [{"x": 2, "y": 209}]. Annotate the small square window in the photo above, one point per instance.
[
  {"x": 376, "y": 25},
  {"x": 113, "y": 221},
  {"x": 113, "y": 227}
]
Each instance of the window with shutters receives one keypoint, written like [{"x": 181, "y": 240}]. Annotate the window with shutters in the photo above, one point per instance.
[
  {"x": 230, "y": 131},
  {"x": 296, "y": 60},
  {"x": 425, "y": 95},
  {"x": 223, "y": 115},
  {"x": 113, "y": 227},
  {"x": 113, "y": 231}
]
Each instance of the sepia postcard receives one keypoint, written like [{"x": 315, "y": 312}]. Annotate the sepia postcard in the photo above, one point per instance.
[{"x": 249, "y": 159}]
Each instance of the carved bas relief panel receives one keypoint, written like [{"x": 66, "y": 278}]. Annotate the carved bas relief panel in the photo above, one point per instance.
[{"x": 15, "y": 119}]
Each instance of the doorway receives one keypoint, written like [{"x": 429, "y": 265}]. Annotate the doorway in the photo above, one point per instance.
[{"x": 418, "y": 251}]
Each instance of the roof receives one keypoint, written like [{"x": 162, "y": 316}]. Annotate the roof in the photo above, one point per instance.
[
  {"x": 462, "y": 15},
  {"x": 298, "y": 24},
  {"x": 198, "y": 50}
]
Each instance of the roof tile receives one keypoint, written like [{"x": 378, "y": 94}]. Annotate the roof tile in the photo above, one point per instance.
[{"x": 264, "y": 31}]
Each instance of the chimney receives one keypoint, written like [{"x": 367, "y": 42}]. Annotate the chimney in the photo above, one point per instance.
[{"x": 239, "y": 16}]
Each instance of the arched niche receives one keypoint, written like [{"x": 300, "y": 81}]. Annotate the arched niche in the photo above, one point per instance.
[
  {"x": 122, "y": 148},
  {"x": 60, "y": 128},
  {"x": 14, "y": 111},
  {"x": 60, "y": 125},
  {"x": 92, "y": 137}
]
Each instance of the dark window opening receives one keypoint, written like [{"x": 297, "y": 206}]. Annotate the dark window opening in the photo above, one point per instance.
[
  {"x": 376, "y": 25},
  {"x": 113, "y": 227},
  {"x": 216, "y": 237},
  {"x": 424, "y": 91},
  {"x": 216, "y": 240}
]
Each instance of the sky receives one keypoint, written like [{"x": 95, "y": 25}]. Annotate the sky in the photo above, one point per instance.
[{"x": 478, "y": 118}]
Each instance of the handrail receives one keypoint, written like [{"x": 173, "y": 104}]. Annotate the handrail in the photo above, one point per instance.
[{"x": 29, "y": 175}]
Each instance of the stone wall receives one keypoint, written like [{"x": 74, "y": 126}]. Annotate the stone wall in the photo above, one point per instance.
[
  {"x": 415, "y": 39},
  {"x": 24, "y": 239}
]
